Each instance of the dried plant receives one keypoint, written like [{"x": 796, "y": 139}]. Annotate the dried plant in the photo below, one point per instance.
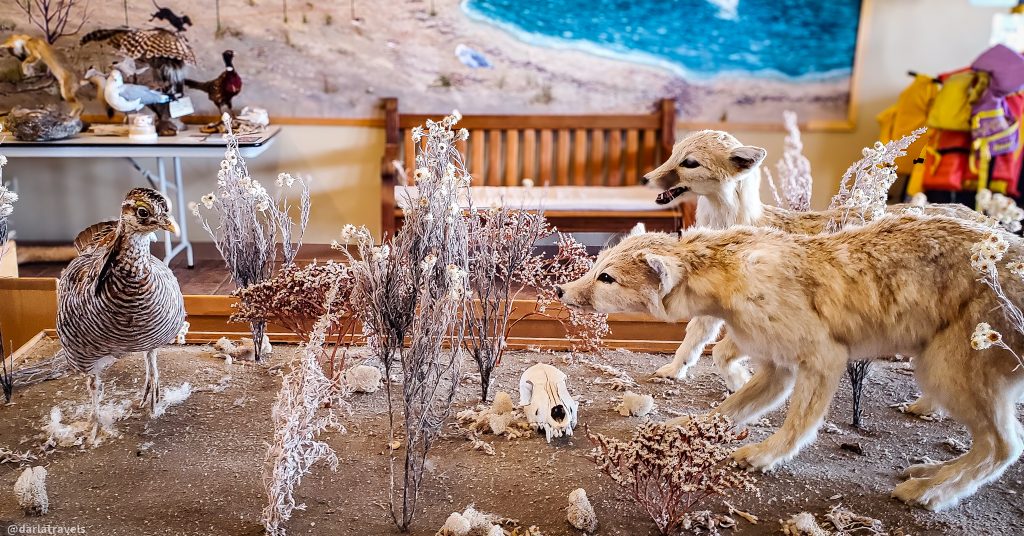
[
  {"x": 7, "y": 200},
  {"x": 501, "y": 245},
  {"x": 251, "y": 225},
  {"x": 669, "y": 469},
  {"x": 6, "y": 374},
  {"x": 417, "y": 285},
  {"x": 794, "y": 170},
  {"x": 985, "y": 257},
  {"x": 1001, "y": 208},
  {"x": 301, "y": 413},
  {"x": 858, "y": 372},
  {"x": 570, "y": 262},
  {"x": 864, "y": 190},
  {"x": 53, "y": 17}
]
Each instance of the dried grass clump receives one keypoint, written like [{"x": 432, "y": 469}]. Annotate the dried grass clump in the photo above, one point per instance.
[
  {"x": 580, "y": 512},
  {"x": 669, "y": 469},
  {"x": 30, "y": 490},
  {"x": 301, "y": 413}
]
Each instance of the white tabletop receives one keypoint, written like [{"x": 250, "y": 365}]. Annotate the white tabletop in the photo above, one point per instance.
[{"x": 188, "y": 144}]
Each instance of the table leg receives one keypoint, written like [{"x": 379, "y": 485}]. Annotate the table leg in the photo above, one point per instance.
[
  {"x": 183, "y": 213},
  {"x": 162, "y": 186}
]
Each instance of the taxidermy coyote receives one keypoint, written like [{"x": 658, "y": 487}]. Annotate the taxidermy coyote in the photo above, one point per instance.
[
  {"x": 804, "y": 305},
  {"x": 726, "y": 176},
  {"x": 30, "y": 51}
]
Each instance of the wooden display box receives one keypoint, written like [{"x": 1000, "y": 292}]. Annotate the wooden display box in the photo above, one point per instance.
[{"x": 9, "y": 260}]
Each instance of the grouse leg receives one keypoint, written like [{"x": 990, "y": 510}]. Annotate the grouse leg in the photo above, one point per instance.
[
  {"x": 151, "y": 389},
  {"x": 95, "y": 388}
]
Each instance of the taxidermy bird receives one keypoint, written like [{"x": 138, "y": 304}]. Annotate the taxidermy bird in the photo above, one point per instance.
[
  {"x": 116, "y": 298},
  {"x": 166, "y": 51},
  {"x": 165, "y": 14},
  {"x": 223, "y": 88},
  {"x": 96, "y": 78},
  {"x": 128, "y": 98}
]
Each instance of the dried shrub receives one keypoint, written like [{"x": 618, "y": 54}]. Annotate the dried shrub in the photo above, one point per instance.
[
  {"x": 251, "y": 226},
  {"x": 416, "y": 285},
  {"x": 668, "y": 469},
  {"x": 301, "y": 413},
  {"x": 794, "y": 170},
  {"x": 53, "y": 17},
  {"x": 7, "y": 200}
]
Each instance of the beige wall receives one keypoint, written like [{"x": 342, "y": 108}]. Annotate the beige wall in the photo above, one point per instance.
[{"x": 61, "y": 197}]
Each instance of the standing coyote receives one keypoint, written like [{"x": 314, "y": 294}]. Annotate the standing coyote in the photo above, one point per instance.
[
  {"x": 726, "y": 176},
  {"x": 804, "y": 305}
]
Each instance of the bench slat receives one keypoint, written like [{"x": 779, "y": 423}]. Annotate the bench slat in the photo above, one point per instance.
[
  {"x": 511, "y": 158},
  {"x": 477, "y": 144},
  {"x": 541, "y": 122},
  {"x": 530, "y": 155},
  {"x": 632, "y": 153},
  {"x": 547, "y": 157},
  {"x": 595, "y": 176},
  {"x": 494, "y": 157},
  {"x": 650, "y": 148},
  {"x": 563, "y": 157},
  {"x": 615, "y": 158},
  {"x": 579, "y": 168}
]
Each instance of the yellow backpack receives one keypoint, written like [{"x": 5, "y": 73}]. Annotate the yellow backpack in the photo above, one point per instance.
[
  {"x": 908, "y": 114},
  {"x": 951, "y": 109}
]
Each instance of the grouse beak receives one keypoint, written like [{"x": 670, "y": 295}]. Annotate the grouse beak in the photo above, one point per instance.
[{"x": 168, "y": 224}]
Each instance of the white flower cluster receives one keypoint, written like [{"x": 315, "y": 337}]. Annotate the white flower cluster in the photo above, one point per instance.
[
  {"x": 457, "y": 280},
  {"x": 985, "y": 254},
  {"x": 428, "y": 262},
  {"x": 285, "y": 180},
  {"x": 1001, "y": 208},
  {"x": 350, "y": 234},
  {"x": 985, "y": 337}
]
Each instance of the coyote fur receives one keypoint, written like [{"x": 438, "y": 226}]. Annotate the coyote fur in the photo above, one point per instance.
[
  {"x": 30, "y": 51},
  {"x": 804, "y": 305}
]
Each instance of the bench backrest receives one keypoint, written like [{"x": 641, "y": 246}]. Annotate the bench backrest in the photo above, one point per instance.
[{"x": 557, "y": 150}]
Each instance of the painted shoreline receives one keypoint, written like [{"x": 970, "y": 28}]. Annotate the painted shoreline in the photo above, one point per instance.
[{"x": 645, "y": 58}]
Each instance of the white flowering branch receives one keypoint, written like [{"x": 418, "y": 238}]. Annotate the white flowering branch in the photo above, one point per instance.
[
  {"x": 794, "y": 170},
  {"x": 250, "y": 224},
  {"x": 301, "y": 413},
  {"x": 985, "y": 257},
  {"x": 864, "y": 190},
  {"x": 1003, "y": 209}
]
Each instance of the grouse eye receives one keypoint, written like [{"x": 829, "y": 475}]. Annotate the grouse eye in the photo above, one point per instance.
[
  {"x": 605, "y": 278},
  {"x": 142, "y": 212},
  {"x": 690, "y": 163}
]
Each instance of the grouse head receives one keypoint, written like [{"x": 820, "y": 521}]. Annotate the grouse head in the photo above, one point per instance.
[{"x": 146, "y": 210}]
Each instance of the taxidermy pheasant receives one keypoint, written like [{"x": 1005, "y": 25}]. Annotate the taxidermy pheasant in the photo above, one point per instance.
[
  {"x": 223, "y": 88},
  {"x": 116, "y": 298},
  {"x": 166, "y": 51}
]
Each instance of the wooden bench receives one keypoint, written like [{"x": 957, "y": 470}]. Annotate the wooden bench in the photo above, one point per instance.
[{"x": 557, "y": 151}]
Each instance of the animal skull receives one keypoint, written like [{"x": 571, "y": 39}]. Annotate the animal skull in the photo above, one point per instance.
[{"x": 546, "y": 401}]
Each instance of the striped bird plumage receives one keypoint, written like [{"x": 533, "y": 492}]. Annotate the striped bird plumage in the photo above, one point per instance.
[{"x": 115, "y": 297}]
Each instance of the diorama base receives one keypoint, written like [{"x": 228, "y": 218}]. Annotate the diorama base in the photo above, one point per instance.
[{"x": 198, "y": 468}]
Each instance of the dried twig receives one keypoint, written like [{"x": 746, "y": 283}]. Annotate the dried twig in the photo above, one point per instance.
[{"x": 53, "y": 17}]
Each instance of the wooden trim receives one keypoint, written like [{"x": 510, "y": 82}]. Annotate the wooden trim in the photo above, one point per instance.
[
  {"x": 858, "y": 62},
  {"x": 368, "y": 122},
  {"x": 667, "y": 109},
  {"x": 392, "y": 139}
]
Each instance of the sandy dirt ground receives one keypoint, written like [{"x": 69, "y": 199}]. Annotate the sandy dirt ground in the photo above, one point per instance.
[
  {"x": 323, "y": 62},
  {"x": 197, "y": 469}
]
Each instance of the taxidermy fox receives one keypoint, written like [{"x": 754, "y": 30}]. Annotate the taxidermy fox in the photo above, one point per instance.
[
  {"x": 30, "y": 51},
  {"x": 803, "y": 306}
]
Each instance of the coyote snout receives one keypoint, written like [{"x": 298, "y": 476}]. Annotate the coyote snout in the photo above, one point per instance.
[{"x": 704, "y": 163}]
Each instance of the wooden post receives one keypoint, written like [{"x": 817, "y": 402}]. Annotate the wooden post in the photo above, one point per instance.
[{"x": 667, "y": 108}]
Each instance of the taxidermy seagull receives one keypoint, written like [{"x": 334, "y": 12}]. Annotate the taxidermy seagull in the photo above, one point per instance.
[
  {"x": 130, "y": 98},
  {"x": 471, "y": 58}
]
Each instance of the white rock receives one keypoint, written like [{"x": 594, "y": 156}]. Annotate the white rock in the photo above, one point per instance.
[
  {"x": 455, "y": 525},
  {"x": 580, "y": 512},
  {"x": 363, "y": 378},
  {"x": 635, "y": 405},
  {"x": 30, "y": 489}
]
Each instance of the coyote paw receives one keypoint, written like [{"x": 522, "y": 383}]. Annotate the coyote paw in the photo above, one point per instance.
[
  {"x": 757, "y": 457},
  {"x": 671, "y": 371},
  {"x": 922, "y": 470},
  {"x": 923, "y": 492}
]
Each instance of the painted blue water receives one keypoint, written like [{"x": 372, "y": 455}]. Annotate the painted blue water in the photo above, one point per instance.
[{"x": 790, "y": 39}]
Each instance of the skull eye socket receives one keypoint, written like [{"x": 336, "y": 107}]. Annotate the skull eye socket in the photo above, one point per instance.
[
  {"x": 558, "y": 413},
  {"x": 690, "y": 163},
  {"x": 605, "y": 278},
  {"x": 142, "y": 212}
]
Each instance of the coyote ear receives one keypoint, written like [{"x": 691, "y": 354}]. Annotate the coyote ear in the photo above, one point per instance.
[
  {"x": 664, "y": 268},
  {"x": 747, "y": 156},
  {"x": 638, "y": 229}
]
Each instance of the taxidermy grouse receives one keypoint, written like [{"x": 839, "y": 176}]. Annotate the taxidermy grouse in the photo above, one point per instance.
[
  {"x": 223, "y": 88},
  {"x": 116, "y": 298},
  {"x": 166, "y": 51}
]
